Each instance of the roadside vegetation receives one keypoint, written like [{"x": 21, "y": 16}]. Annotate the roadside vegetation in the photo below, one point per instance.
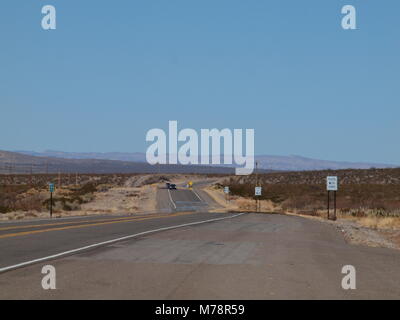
[
  {"x": 36, "y": 198},
  {"x": 356, "y": 200},
  {"x": 26, "y": 196},
  {"x": 369, "y": 196},
  {"x": 31, "y": 192}
]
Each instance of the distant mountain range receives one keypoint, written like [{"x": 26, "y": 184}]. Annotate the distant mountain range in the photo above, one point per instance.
[
  {"x": 119, "y": 156},
  {"x": 298, "y": 163},
  {"x": 16, "y": 162},
  {"x": 266, "y": 162}
]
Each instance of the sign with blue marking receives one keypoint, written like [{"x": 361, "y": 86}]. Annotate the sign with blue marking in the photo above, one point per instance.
[{"x": 332, "y": 183}]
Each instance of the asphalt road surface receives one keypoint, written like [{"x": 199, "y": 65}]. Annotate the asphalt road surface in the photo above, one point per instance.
[
  {"x": 184, "y": 199},
  {"x": 251, "y": 256}
]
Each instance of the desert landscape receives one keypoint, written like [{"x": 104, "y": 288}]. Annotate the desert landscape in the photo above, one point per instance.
[
  {"x": 368, "y": 203},
  {"x": 27, "y": 196}
]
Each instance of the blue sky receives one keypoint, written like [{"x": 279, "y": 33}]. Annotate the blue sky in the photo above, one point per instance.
[{"x": 115, "y": 69}]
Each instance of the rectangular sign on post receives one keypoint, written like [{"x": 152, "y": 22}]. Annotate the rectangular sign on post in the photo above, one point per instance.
[
  {"x": 258, "y": 191},
  {"x": 51, "y": 187},
  {"x": 332, "y": 183},
  {"x": 226, "y": 189}
]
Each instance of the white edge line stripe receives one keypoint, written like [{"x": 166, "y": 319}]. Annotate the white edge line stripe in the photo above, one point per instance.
[
  {"x": 110, "y": 241},
  {"x": 197, "y": 195},
  {"x": 170, "y": 198}
]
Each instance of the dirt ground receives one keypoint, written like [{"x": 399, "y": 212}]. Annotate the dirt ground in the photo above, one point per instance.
[
  {"x": 136, "y": 194},
  {"x": 123, "y": 200},
  {"x": 113, "y": 200}
]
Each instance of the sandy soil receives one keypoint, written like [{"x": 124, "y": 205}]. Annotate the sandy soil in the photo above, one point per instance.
[
  {"x": 123, "y": 200},
  {"x": 357, "y": 234},
  {"x": 234, "y": 203},
  {"x": 116, "y": 200},
  {"x": 136, "y": 195}
]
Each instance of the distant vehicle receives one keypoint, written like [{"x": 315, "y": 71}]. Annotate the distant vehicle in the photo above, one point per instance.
[
  {"x": 172, "y": 186},
  {"x": 167, "y": 185}
]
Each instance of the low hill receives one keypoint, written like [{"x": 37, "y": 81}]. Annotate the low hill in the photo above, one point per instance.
[
  {"x": 17, "y": 163},
  {"x": 267, "y": 162}
]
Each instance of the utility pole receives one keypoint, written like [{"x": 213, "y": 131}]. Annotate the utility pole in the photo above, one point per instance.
[
  {"x": 59, "y": 179},
  {"x": 8, "y": 169},
  {"x": 31, "y": 175},
  {"x": 256, "y": 185},
  {"x": 11, "y": 173},
  {"x": 51, "y": 189}
]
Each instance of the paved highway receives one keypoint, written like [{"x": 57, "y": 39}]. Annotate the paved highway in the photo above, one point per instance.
[
  {"x": 184, "y": 199},
  {"x": 251, "y": 256},
  {"x": 26, "y": 241}
]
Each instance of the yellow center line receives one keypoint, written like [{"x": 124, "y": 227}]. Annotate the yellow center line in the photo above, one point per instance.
[
  {"x": 9, "y": 235},
  {"x": 71, "y": 222}
]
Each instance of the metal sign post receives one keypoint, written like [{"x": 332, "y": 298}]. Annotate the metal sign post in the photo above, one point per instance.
[
  {"x": 51, "y": 188},
  {"x": 332, "y": 185},
  {"x": 257, "y": 190},
  {"x": 226, "y": 191},
  {"x": 257, "y": 193},
  {"x": 334, "y": 205},
  {"x": 329, "y": 193}
]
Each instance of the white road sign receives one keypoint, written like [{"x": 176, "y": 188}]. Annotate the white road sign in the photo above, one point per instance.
[
  {"x": 226, "y": 189},
  {"x": 258, "y": 191},
  {"x": 332, "y": 183}
]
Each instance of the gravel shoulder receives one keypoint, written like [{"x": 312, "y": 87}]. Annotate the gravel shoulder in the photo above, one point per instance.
[{"x": 356, "y": 234}]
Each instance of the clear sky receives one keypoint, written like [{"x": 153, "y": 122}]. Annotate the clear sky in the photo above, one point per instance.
[{"x": 112, "y": 70}]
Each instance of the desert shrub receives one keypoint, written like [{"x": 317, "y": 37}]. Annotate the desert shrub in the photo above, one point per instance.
[
  {"x": 358, "y": 213},
  {"x": 379, "y": 200},
  {"x": 67, "y": 206},
  {"x": 13, "y": 197},
  {"x": 4, "y": 209},
  {"x": 85, "y": 189},
  {"x": 246, "y": 204},
  {"x": 103, "y": 188}
]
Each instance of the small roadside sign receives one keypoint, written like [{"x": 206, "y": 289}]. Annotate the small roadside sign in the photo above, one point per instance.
[
  {"x": 51, "y": 187},
  {"x": 332, "y": 183},
  {"x": 226, "y": 190},
  {"x": 258, "y": 191}
]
